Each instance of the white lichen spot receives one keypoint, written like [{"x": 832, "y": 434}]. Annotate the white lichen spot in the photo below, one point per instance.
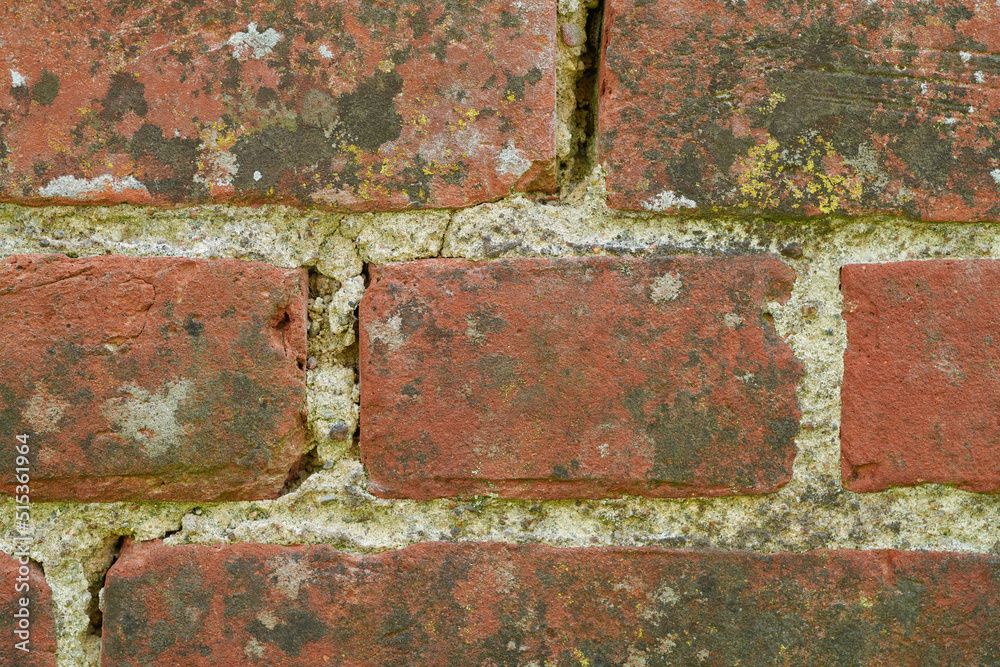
[
  {"x": 289, "y": 576},
  {"x": 667, "y": 644},
  {"x": 149, "y": 419},
  {"x": 949, "y": 121},
  {"x": 72, "y": 187},
  {"x": 965, "y": 56},
  {"x": 253, "y": 649},
  {"x": 666, "y": 288},
  {"x": 636, "y": 658},
  {"x": 44, "y": 410},
  {"x": 702, "y": 655},
  {"x": 217, "y": 167},
  {"x": 253, "y": 44},
  {"x": 732, "y": 320},
  {"x": 471, "y": 331},
  {"x": 666, "y": 595},
  {"x": 512, "y": 161},
  {"x": 267, "y": 619},
  {"x": 979, "y": 77},
  {"x": 194, "y": 614},
  {"x": 325, "y": 52},
  {"x": 668, "y": 200},
  {"x": 924, "y": 88},
  {"x": 996, "y": 176},
  {"x": 257, "y": 176},
  {"x": 389, "y": 332},
  {"x": 16, "y": 79}
]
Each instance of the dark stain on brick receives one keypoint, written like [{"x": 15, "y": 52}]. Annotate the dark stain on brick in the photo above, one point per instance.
[
  {"x": 319, "y": 109},
  {"x": 193, "y": 327},
  {"x": 125, "y": 94},
  {"x": 369, "y": 114},
  {"x": 166, "y": 165},
  {"x": 231, "y": 81},
  {"x": 484, "y": 321},
  {"x": 509, "y": 20},
  {"x": 682, "y": 433},
  {"x": 44, "y": 92},
  {"x": 956, "y": 12},
  {"x": 419, "y": 22},
  {"x": 498, "y": 371},
  {"x": 295, "y": 628},
  {"x": 365, "y": 119},
  {"x": 266, "y": 96},
  {"x": 183, "y": 602},
  {"x": 253, "y": 410},
  {"x": 417, "y": 181},
  {"x": 266, "y": 156},
  {"x": 781, "y": 433},
  {"x": 515, "y": 87}
]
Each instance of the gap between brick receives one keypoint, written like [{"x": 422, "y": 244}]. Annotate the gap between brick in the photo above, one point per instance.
[
  {"x": 575, "y": 170},
  {"x": 94, "y": 611}
]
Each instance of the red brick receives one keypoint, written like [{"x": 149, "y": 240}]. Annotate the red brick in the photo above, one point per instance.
[
  {"x": 920, "y": 396},
  {"x": 152, "y": 379},
  {"x": 565, "y": 378},
  {"x": 500, "y": 604},
  {"x": 802, "y": 108},
  {"x": 41, "y": 637},
  {"x": 352, "y": 104}
]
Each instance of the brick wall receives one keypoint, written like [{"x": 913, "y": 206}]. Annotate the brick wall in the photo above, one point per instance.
[{"x": 369, "y": 332}]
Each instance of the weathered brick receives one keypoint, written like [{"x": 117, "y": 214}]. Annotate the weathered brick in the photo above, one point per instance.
[
  {"x": 564, "y": 378},
  {"x": 920, "y": 396},
  {"x": 19, "y": 582},
  {"x": 352, "y": 104},
  {"x": 803, "y": 108},
  {"x": 152, "y": 379},
  {"x": 499, "y": 604}
]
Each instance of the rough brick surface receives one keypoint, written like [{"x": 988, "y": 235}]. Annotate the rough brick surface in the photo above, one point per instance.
[
  {"x": 561, "y": 378},
  {"x": 803, "y": 108},
  {"x": 152, "y": 379},
  {"x": 497, "y": 604},
  {"x": 41, "y": 623},
  {"x": 350, "y": 104},
  {"x": 920, "y": 396}
]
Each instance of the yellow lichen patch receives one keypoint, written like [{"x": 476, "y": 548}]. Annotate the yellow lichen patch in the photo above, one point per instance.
[
  {"x": 754, "y": 181},
  {"x": 772, "y": 103},
  {"x": 772, "y": 174}
]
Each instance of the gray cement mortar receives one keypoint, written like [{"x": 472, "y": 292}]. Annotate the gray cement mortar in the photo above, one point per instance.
[{"x": 75, "y": 543}]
